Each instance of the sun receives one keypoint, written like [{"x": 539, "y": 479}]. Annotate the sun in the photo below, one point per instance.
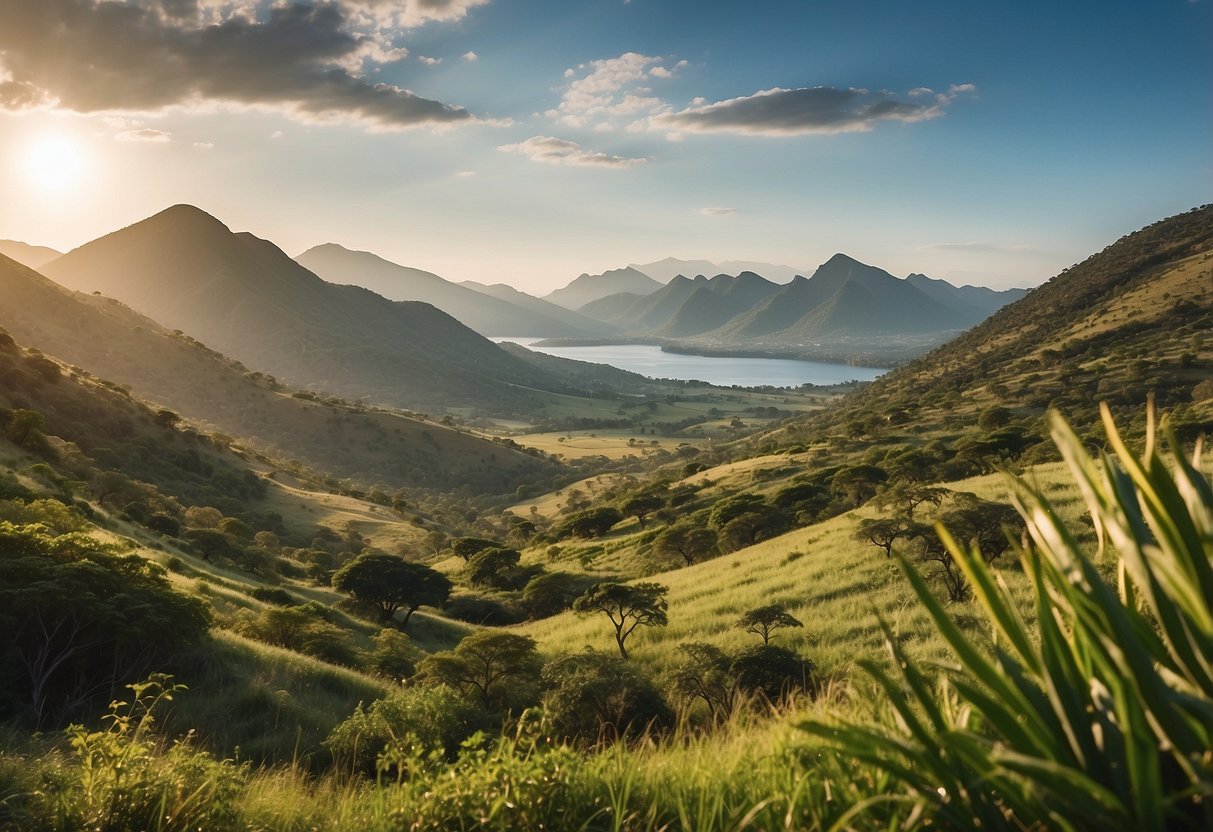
[{"x": 54, "y": 162}]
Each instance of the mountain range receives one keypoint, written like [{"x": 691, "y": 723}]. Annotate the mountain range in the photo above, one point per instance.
[
  {"x": 844, "y": 302},
  {"x": 246, "y": 298},
  {"x": 591, "y": 287},
  {"x": 669, "y": 268},
  {"x": 27, "y": 255},
  {"x": 488, "y": 311}
]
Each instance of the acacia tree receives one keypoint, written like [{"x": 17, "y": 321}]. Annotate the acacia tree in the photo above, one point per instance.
[
  {"x": 685, "y": 541},
  {"x": 705, "y": 673},
  {"x": 882, "y": 533},
  {"x": 485, "y": 662},
  {"x": 642, "y": 505},
  {"x": 628, "y": 606},
  {"x": 765, "y": 620},
  {"x": 391, "y": 583}
]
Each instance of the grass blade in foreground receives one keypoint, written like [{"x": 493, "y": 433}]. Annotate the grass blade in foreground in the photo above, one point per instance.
[{"x": 1102, "y": 716}]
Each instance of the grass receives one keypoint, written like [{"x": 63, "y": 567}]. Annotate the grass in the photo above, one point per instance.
[{"x": 839, "y": 588}]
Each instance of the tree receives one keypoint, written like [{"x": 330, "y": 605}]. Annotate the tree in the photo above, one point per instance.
[
  {"x": 642, "y": 505},
  {"x": 466, "y": 547},
  {"x": 550, "y": 593},
  {"x": 753, "y": 526},
  {"x": 857, "y": 483},
  {"x": 212, "y": 543},
  {"x": 983, "y": 522},
  {"x": 26, "y": 428},
  {"x": 688, "y": 542},
  {"x": 705, "y": 673},
  {"x": 732, "y": 507},
  {"x": 765, "y": 620},
  {"x": 882, "y": 532},
  {"x": 628, "y": 606},
  {"x": 905, "y": 497},
  {"x": 80, "y": 618},
  {"x": 593, "y": 522},
  {"x": 487, "y": 566},
  {"x": 486, "y": 662},
  {"x": 391, "y": 583},
  {"x": 932, "y": 550},
  {"x": 595, "y": 698},
  {"x": 772, "y": 672}
]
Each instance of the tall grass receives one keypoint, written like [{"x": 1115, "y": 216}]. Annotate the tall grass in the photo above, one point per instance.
[{"x": 1096, "y": 711}]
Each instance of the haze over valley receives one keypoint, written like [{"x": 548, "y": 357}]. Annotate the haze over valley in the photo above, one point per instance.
[{"x": 460, "y": 414}]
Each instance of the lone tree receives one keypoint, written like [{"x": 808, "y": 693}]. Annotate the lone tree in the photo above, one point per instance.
[
  {"x": 765, "y": 620},
  {"x": 467, "y": 547},
  {"x": 390, "y": 583},
  {"x": 486, "y": 662},
  {"x": 627, "y": 605},
  {"x": 688, "y": 542},
  {"x": 642, "y": 505},
  {"x": 882, "y": 533}
]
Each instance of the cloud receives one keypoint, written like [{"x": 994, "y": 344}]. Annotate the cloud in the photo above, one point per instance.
[
  {"x": 717, "y": 212},
  {"x": 602, "y": 91},
  {"x": 786, "y": 112},
  {"x": 428, "y": 61},
  {"x": 470, "y": 56},
  {"x": 145, "y": 134},
  {"x": 307, "y": 61},
  {"x": 553, "y": 151},
  {"x": 466, "y": 174},
  {"x": 203, "y": 145}
]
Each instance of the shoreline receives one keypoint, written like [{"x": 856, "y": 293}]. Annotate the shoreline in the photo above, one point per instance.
[{"x": 855, "y": 358}]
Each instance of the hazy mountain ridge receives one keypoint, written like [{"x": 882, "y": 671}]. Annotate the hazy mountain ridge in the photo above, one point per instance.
[
  {"x": 591, "y": 287},
  {"x": 245, "y": 297},
  {"x": 28, "y": 255},
  {"x": 113, "y": 342},
  {"x": 665, "y": 270},
  {"x": 480, "y": 311}
]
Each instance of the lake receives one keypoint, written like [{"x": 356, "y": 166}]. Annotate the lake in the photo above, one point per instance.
[{"x": 649, "y": 360}]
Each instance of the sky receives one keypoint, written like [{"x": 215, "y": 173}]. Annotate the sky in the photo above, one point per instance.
[{"x": 528, "y": 141}]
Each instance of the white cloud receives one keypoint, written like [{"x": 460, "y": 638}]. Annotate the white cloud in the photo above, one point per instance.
[
  {"x": 203, "y": 145},
  {"x": 145, "y": 134},
  {"x": 428, "y": 61},
  {"x": 553, "y": 151},
  {"x": 717, "y": 212},
  {"x": 470, "y": 56},
  {"x": 466, "y": 174},
  {"x": 602, "y": 91}
]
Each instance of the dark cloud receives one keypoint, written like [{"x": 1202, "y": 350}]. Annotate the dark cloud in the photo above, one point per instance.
[
  {"x": 805, "y": 110},
  {"x": 305, "y": 59}
]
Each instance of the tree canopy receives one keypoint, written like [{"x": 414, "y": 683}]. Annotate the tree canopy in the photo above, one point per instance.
[
  {"x": 628, "y": 606},
  {"x": 391, "y": 583}
]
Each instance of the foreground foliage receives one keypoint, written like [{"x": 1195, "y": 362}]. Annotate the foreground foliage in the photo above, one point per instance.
[{"x": 1098, "y": 713}]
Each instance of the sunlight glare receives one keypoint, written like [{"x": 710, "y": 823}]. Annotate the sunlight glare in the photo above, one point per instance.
[{"x": 54, "y": 162}]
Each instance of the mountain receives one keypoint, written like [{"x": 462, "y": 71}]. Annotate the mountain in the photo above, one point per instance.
[
  {"x": 243, "y": 296},
  {"x": 665, "y": 270},
  {"x": 591, "y": 287},
  {"x": 1129, "y": 322},
  {"x": 109, "y": 341},
  {"x": 843, "y": 298},
  {"x": 27, "y": 255},
  {"x": 579, "y": 322},
  {"x": 975, "y": 302},
  {"x": 685, "y": 306},
  {"x": 485, "y": 313}
]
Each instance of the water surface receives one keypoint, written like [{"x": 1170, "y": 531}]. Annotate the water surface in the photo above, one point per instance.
[{"x": 726, "y": 371}]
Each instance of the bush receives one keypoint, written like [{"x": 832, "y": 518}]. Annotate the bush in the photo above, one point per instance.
[{"x": 593, "y": 698}]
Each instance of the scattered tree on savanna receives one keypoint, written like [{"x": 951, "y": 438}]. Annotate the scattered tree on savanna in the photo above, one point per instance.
[
  {"x": 595, "y": 698},
  {"x": 687, "y": 541},
  {"x": 391, "y": 583},
  {"x": 549, "y": 593},
  {"x": 932, "y": 551},
  {"x": 490, "y": 567},
  {"x": 642, "y": 505},
  {"x": 628, "y": 606},
  {"x": 705, "y": 673},
  {"x": 883, "y": 532},
  {"x": 499, "y": 667},
  {"x": 466, "y": 547},
  {"x": 990, "y": 525},
  {"x": 772, "y": 672},
  {"x": 765, "y": 620},
  {"x": 593, "y": 522},
  {"x": 905, "y": 497}
]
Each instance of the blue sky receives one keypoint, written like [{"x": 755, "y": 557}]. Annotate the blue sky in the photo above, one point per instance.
[{"x": 987, "y": 142}]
